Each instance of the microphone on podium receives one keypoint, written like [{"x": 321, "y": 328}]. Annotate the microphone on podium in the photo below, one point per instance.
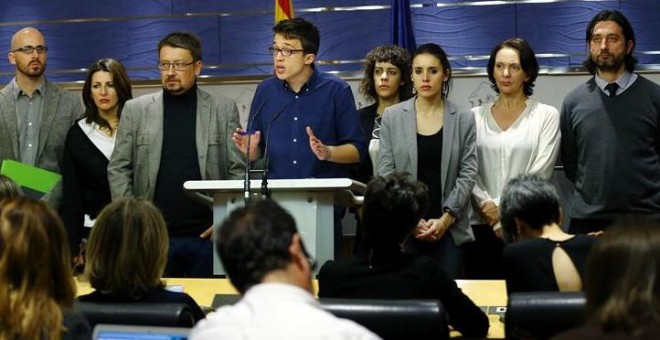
[
  {"x": 249, "y": 133},
  {"x": 265, "y": 192}
]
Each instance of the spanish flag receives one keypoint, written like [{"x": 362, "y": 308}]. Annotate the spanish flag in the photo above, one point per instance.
[{"x": 283, "y": 10}]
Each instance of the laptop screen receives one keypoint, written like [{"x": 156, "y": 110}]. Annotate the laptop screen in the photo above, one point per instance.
[{"x": 121, "y": 332}]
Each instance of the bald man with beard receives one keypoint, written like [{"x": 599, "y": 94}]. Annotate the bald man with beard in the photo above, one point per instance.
[{"x": 35, "y": 114}]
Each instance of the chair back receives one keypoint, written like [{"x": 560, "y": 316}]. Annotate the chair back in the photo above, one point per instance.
[
  {"x": 541, "y": 315},
  {"x": 136, "y": 313},
  {"x": 393, "y": 319}
]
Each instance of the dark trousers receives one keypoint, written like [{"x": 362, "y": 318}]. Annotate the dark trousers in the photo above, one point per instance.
[
  {"x": 189, "y": 257},
  {"x": 483, "y": 257}
]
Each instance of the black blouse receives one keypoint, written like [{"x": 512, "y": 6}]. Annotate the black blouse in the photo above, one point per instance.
[
  {"x": 84, "y": 184},
  {"x": 429, "y": 165},
  {"x": 528, "y": 263},
  {"x": 155, "y": 295},
  {"x": 396, "y": 275}
]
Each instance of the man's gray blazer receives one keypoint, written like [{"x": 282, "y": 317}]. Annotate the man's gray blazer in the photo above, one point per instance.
[
  {"x": 135, "y": 161},
  {"x": 398, "y": 152},
  {"x": 61, "y": 108}
]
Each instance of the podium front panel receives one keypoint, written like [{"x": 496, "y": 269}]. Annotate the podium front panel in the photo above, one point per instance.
[{"x": 313, "y": 212}]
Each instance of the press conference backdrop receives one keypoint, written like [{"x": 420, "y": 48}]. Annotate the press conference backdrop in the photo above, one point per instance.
[
  {"x": 469, "y": 91},
  {"x": 235, "y": 34}
]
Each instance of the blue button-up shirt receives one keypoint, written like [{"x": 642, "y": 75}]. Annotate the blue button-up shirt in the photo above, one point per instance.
[
  {"x": 624, "y": 82},
  {"x": 326, "y": 104}
]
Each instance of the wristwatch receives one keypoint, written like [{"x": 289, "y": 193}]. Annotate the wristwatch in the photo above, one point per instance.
[{"x": 451, "y": 212}]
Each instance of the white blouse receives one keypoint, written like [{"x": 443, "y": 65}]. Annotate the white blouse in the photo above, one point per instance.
[
  {"x": 103, "y": 142},
  {"x": 529, "y": 146}
]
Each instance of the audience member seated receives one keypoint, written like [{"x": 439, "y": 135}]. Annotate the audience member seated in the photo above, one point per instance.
[
  {"x": 546, "y": 258},
  {"x": 9, "y": 188},
  {"x": 623, "y": 284},
  {"x": 36, "y": 282},
  {"x": 392, "y": 207},
  {"x": 266, "y": 261},
  {"x": 126, "y": 256}
]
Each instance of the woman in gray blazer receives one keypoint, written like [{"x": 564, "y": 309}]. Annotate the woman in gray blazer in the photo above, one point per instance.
[{"x": 434, "y": 140}]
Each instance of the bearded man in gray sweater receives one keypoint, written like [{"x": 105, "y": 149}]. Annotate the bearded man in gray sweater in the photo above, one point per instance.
[{"x": 610, "y": 129}]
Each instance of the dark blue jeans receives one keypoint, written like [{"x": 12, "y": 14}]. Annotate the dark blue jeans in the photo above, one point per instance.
[{"x": 189, "y": 257}]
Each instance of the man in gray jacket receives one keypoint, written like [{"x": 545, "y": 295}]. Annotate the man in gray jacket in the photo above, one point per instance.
[
  {"x": 35, "y": 114},
  {"x": 166, "y": 138}
]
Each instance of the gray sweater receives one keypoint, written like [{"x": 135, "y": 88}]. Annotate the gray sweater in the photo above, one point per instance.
[{"x": 611, "y": 150}]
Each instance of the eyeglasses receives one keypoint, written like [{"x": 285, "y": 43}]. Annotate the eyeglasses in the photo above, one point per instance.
[
  {"x": 29, "y": 49},
  {"x": 312, "y": 262},
  {"x": 178, "y": 65},
  {"x": 285, "y": 52},
  {"x": 310, "y": 258}
]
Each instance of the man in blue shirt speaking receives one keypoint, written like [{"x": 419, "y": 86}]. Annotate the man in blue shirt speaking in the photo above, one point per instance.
[
  {"x": 307, "y": 119},
  {"x": 302, "y": 121}
]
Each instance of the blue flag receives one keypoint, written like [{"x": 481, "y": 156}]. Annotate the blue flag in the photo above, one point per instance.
[{"x": 402, "y": 33}]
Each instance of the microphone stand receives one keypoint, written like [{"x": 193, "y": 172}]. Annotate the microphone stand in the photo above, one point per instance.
[
  {"x": 246, "y": 180},
  {"x": 265, "y": 191}
]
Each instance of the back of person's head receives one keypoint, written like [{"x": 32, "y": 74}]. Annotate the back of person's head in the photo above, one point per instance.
[
  {"x": 299, "y": 28},
  {"x": 36, "y": 279},
  {"x": 9, "y": 188},
  {"x": 184, "y": 40},
  {"x": 530, "y": 199},
  {"x": 393, "y": 205},
  {"x": 623, "y": 277},
  {"x": 127, "y": 249},
  {"x": 394, "y": 55},
  {"x": 628, "y": 34},
  {"x": 254, "y": 241}
]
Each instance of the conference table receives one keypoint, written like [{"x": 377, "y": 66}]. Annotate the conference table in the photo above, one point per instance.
[{"x": 489, "y": 295}]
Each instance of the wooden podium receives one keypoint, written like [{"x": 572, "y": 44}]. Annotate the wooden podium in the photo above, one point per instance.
[{"x": 310, "y": 201}]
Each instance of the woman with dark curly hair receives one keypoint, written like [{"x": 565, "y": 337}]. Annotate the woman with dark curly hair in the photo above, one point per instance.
[{"x": 387, "y": 82}]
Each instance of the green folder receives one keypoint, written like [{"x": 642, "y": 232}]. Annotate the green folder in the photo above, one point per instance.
[{"x": 30, "y": 177}]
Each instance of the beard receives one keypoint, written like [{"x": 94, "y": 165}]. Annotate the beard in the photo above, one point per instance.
[
  {"x": 31, "y": 72},
  {"x": 611, "y": 64}
]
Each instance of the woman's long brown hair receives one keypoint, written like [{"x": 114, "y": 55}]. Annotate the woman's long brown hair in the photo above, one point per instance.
[{"x": 36, "y": 281}]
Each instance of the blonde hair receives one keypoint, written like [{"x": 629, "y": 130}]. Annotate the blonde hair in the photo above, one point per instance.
[
  {"x": 36, "y": 280},
  {"x": 9, "y": 188},
  {"x": 127, "y": 249}
]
